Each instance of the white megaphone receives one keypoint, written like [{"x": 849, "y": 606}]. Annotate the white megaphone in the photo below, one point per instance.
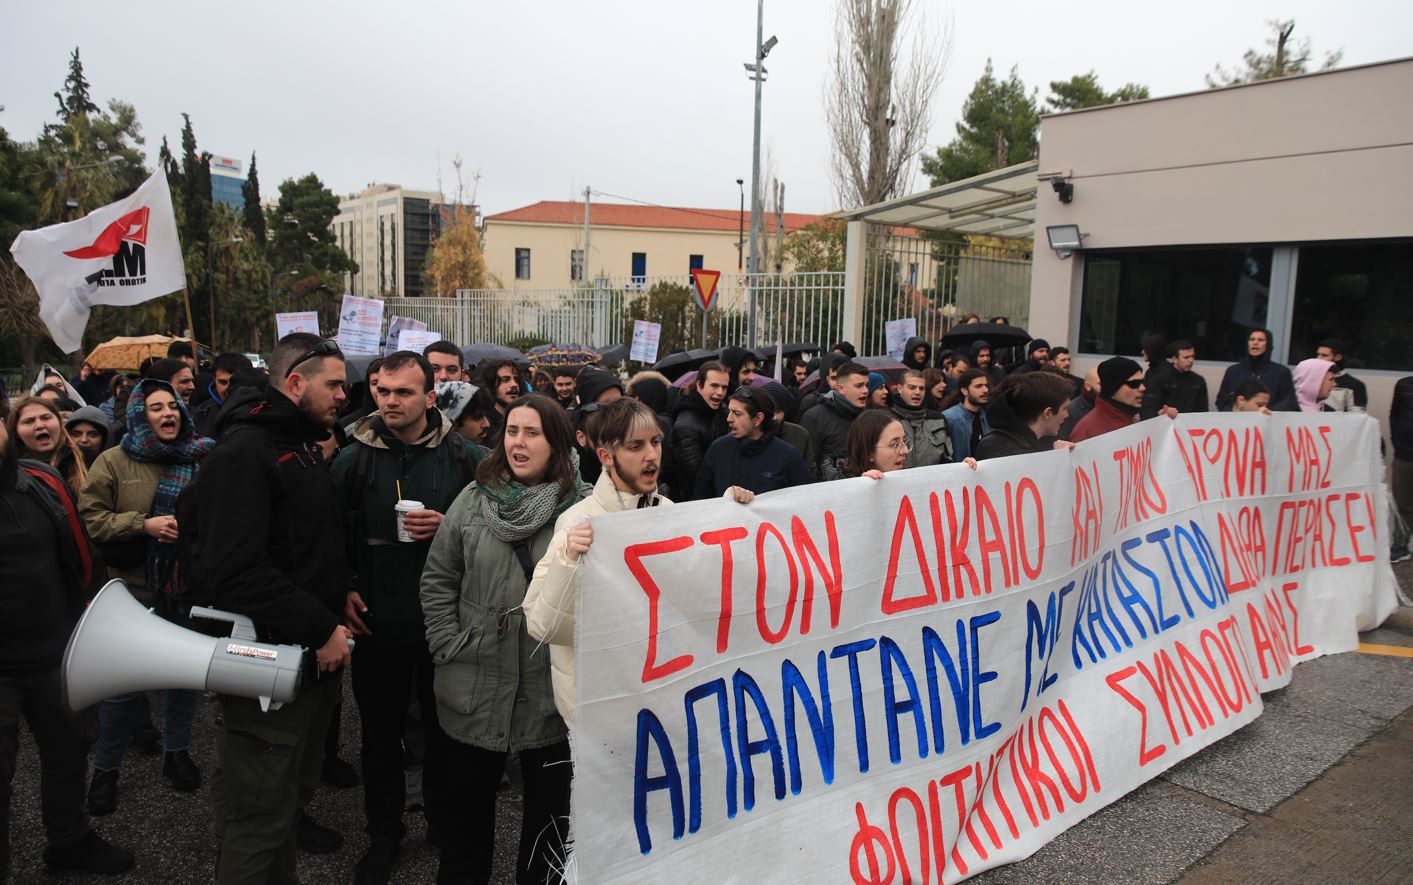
[{"x": 119, "y": 646}]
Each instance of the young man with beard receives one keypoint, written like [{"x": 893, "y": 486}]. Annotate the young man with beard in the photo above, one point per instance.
[
  {"x": 1061, "y": 359},
  {"x": 966, "y": 420},
  {"x": 267, "y": 547},
  {"x": 828, "y": 422},
  {"x": 1120, "y": 395},
  {"x": 1350, "y": 394},
  {"x": 404, "y": 450},
  {"x": 502, "y": 379},
  {"x": 695, "y": 426},
  {"x": 564, "y": 380},
  {"x": 926, "y": 430},
  {"x": 445, "y": 358},
  {"x": 222, "y": 370},
  {"x": 628, "y": 443}
]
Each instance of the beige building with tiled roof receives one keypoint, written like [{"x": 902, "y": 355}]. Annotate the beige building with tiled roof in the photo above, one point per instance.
[{"x": 540, "y": 246}]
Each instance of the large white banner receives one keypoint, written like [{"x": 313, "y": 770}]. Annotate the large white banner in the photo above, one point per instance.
[{"x": 922, "y": 677}]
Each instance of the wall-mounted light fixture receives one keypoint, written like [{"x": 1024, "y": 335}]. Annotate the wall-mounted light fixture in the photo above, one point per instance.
[
  {"x": 1065, "y": 239},
  {"x": 1064, "y": 188}
]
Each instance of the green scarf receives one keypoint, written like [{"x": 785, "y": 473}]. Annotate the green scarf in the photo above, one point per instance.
[{"x": 516, "y": 511}]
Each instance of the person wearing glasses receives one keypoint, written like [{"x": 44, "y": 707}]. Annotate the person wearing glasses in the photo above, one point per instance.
[
  {"x": 877, "y": 445},
  {"x": 1027, "y": 411},
  {"x": 1120, "y": 399},
  {"x": 269, "y": 545},
  {"x": 750, "y": 456},
  {"x": 491, "y": 680}
]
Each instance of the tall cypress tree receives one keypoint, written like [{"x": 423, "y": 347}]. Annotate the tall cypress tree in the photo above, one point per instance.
[
  {"x": 254, "y": 215},
  {"x": 74, "y": 98},
  {"x": 195, "y": 190}
]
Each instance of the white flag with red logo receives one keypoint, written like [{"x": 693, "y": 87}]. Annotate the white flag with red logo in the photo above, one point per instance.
[{"x": 124, "y": 253}]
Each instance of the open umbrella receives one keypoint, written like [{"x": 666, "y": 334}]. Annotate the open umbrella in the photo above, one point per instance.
[
  {"x": 614, "y": 353},
  {"x": 886, "y": 366},
  {"x": 794, "y": 349},
  {"x": 562, "y": 355},
  {"x": 127, "y": 354},
  {"x": 475, "y": 354},
  {"x": 674, "y": 364},
  {"x": 995, "y": 334}
]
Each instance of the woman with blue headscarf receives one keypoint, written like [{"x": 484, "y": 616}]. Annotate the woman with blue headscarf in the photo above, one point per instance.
[{"x": 128, "y": 503}]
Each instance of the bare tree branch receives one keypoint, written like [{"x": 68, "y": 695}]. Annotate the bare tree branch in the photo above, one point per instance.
[{"x": 878, "y": 100}]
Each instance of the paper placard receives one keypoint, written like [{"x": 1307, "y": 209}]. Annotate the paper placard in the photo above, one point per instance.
[
  {"x": 396, "y": 326},
  {"x": 360, "y": 325},
  {"x": 645, "y": 339},
  {"x": 897, "y": 333},
  {"x": 416, "y": 340},
  {"x": 297, "y": 321}
]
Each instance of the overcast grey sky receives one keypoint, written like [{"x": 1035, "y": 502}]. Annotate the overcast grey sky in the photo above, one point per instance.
[{"x": 642, "y": 98}]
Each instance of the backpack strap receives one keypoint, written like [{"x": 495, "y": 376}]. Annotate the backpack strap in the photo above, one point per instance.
[
  {"x": 75, "y": 524},
  {"x": 522, "y": 553}
]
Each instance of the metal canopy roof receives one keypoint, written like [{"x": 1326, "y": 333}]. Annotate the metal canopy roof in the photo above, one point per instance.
[{"x": 1000, "y": 203}]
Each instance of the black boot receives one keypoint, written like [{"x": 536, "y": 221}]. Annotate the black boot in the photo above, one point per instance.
[
  {"x": 376, "y": 865},
  {"x": 180, "y": 771},
  {"x": 103, "y": 793},
  {"x": 312, "y": 837},
  {"x": 91, "y": 855}
]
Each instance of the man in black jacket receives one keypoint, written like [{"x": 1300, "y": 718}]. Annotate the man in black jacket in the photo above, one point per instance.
[
  {"x": 1028, "y": 410},
  {"x": 1357, "y": 400},
  {"x": 48, "y": 571},
  {"x": 1172, "y": 383},
  {"x": 696, "y": 423},
  {"x": 270, "y": 545},
  {"x": 829, "y": 421}
]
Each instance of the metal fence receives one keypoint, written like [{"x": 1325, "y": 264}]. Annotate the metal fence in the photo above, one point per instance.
[
  {"x": 789, "y": 307},
  {"x": 940, "y": 281}
]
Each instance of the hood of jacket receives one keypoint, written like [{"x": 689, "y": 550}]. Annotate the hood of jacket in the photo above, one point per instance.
[
  {"x": 371, "y": 431},
  {"x": 69, "y": 390},
  {"x": 1307, "y": 377},
  {"x": 92, "y": 415},
  {"x": 835, "y": 402},
  {"x": 692, "y": 402},
  {"x": 273, "y": 412},
  {"x": 913, "y": 344},
  {"x": 977, "y": 347}
]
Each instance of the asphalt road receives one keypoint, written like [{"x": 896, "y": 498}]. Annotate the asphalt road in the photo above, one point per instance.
[{"x": 1319, "y": 788}]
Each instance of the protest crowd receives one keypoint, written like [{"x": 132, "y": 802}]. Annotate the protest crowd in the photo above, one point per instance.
[{"x": 416, "y": 523}]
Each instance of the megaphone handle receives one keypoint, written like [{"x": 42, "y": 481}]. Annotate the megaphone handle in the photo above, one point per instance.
[{"x": 241, "y": 626}]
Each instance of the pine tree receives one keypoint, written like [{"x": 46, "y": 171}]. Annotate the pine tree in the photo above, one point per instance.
[
  {"x": 169, "y": 166},
  {"x": 254, "y": 214},
  {"x": 999, "y": 127},
  {"x": 195, "y": 190},
  {"x": 74, "y": 98}
]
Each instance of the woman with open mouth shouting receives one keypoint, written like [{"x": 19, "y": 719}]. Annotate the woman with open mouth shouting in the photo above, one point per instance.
[
  {"x": 492, "y": 681},
  {"x": 128, "y": 504},
  {"x": 38, "y": 430}
]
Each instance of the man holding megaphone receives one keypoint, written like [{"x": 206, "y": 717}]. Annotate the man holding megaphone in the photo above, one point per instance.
[{"x": 269, "y": 545}]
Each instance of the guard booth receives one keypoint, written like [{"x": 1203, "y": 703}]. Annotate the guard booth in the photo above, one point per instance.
[{"x": 940, "y": 254}]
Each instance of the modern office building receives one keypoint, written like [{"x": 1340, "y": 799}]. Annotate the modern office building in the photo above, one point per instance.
[
  {"x": 227, "y": 179},
  {"x": 540, "y": 246},
  {"x": 389, "y": 230}
]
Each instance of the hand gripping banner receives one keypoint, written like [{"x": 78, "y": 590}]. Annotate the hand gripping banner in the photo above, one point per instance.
[{"x": 918, "y": 678}]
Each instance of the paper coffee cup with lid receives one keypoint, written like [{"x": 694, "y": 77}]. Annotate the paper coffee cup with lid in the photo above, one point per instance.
[{"x": 402, "y": 508}]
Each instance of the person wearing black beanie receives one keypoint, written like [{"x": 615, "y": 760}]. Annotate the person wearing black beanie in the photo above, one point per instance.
[
  {"x": 1037, "y": 355},
  {"x": 593, "y": 383},
  {"x": 1120, "y": 395}
]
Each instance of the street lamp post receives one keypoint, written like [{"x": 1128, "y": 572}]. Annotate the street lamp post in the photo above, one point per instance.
[
  {"x": 741, "y": 227},
  {"x": 757, "y": 73}
]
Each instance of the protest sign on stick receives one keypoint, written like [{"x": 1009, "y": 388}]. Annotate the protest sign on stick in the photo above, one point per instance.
[
  {"x": 645, "y": 338},
  {"x": 296, "y": 321},
  {"x": 925, "y": 676},
  {"x": 360, "y": 324}
]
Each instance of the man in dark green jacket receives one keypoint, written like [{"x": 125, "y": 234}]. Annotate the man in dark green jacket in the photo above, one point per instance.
[{"x": 404, "y": 451}]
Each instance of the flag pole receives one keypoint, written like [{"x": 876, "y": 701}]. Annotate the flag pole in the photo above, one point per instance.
[{"x": 190, "y": 324}]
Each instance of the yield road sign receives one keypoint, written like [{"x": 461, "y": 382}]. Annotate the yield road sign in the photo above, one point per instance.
[{"x": 704, "y": 287}]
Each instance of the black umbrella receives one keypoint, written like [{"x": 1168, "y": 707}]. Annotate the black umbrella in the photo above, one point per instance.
[
  {"x": 614, "y": 353},
  {"x": 676, "y": 364},
  {"x": 995, "y": 334},
  {"x": 474, "y": 354},
  {"x": 795, "y": 349},
  {"x": 884, "y": 365}
]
